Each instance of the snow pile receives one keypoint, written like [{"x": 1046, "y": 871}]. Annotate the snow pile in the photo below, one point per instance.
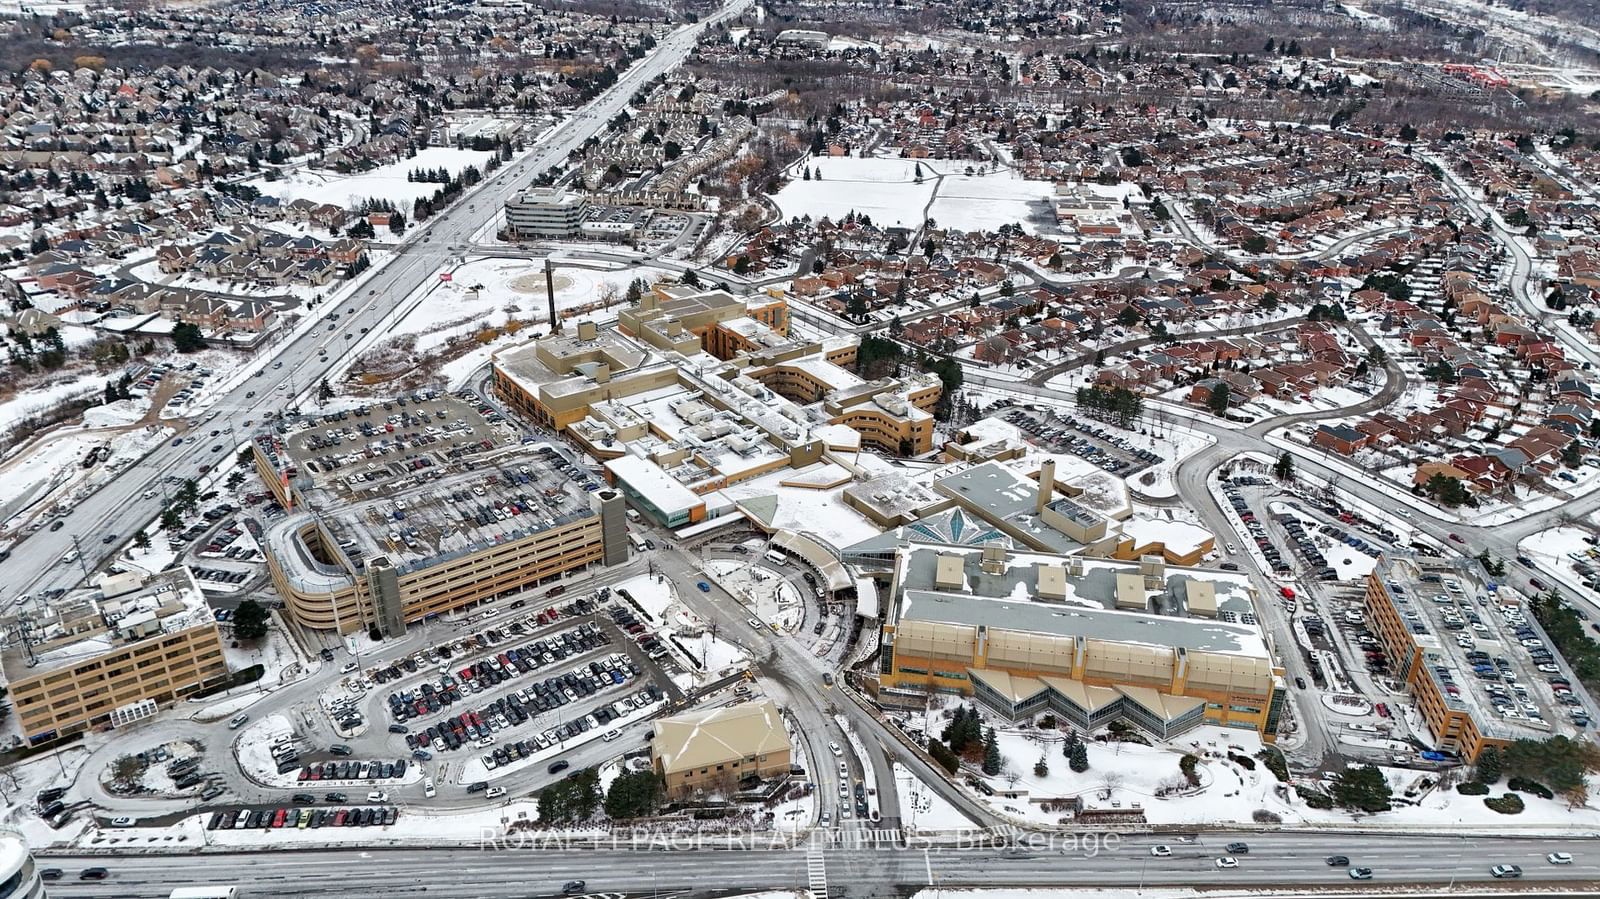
[{"x": 121, "y": 412}]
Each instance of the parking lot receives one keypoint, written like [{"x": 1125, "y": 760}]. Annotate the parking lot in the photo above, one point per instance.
[
  {"x": 294, "y": 817},
  {"x": 1068, "y": 434},
  {"x": 546, "y": 675}
]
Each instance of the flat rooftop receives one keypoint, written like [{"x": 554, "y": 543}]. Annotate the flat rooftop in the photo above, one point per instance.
[
  {"x": 1007, "y": 496},
  {"x": 43, "y": 635},
  {"x": 420, "y": 481},
  {"x": 1439, "y": 600},
  {"x": 1010, "y": 599},
  {"x": 568, "y": 351}
]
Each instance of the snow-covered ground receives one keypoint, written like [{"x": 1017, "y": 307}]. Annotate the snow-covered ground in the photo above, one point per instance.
[
  {"x": 922, "y": 809},
  {"x": 764, "y": 591},
  {"x": 31, "y": 402},
  {"x": 1552, "y": 547},
  {"x": 490, "y": 292},
  {"x": 383, "y": 183},
  {"x": 1129, "y": 775},
  {"x": 24, "y": 780},
  {"x": 985, "y": 201},
  {"x": 886, "y": 190}
]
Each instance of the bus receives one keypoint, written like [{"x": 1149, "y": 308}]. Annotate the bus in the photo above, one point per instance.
[
  {"x": 637, "y": 541},
  {"x": 217, "y": 892}
]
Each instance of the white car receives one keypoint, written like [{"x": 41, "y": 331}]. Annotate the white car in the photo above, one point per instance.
[
  {"x": 377, "y": 796},
  {"x": 1227, "y": 861},
  {"x": 125, "y": 821},
  {"x": 1554, "y": 858},
  {"x": 237, "y": 721},
  {"x": 844, "y": 790},
  {"x": 611, "y": 735},
  {"x": 348, "y": 667},
  {"x": 494, "y": 792},
  {"x": 486, "y": 741},
  {"x": 428, "y": 788},
  {"x": 834, "y": 747},
  {"x": 1160, "y": 851}
]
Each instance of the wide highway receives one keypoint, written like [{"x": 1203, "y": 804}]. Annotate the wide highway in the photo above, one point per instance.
[{"x": 1279, "y": 859}]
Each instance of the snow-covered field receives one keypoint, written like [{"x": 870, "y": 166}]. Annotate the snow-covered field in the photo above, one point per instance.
[
  {"x": 984, "y": 202},
  {"x": 1552, "y": 547},
  {"x": 887, "y": 190},
  {"x": 489, "y": 292},
  {"x": 385, "y": 182}
]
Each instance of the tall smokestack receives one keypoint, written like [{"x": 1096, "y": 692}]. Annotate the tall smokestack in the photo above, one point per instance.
[
  {"x": 550, "y": 293},
  {"x": 1047, "y": 485}
]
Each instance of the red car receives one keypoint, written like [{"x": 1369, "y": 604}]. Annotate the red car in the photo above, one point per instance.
[
  {"x": 277, "y": 819},
  {"x": 1457, "y": 538}
]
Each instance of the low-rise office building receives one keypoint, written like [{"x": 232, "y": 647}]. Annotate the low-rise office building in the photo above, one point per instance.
[
  {"x": 544, "y": 212},
  {"x": 93, "y": 656},
  {"x": 712, "y": 750}
]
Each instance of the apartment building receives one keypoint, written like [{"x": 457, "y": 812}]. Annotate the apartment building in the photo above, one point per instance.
[{"x": 82, "y": 660}]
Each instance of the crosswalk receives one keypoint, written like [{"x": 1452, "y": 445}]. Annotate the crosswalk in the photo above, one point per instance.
[
  {"x": 817, "y": 874},
  {"x": 859, "y": 837}
]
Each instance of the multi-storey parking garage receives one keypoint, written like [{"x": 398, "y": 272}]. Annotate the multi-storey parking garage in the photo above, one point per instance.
[
  {"x": 420, "y": 506},
  {"x": 1480, "y": 672}
]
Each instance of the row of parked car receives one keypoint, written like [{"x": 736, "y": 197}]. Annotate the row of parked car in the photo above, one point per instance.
[
  {"x": 516, "y": 708},
  {"x": 600, "y": 717},
  {"x": 1257, "y": 531},
  {"x": 1545, "y": 660},
  {"x": 485, "y": 673},
  {"x": 636, "y": 629},
  {"x": 220, "y": 576},
  {"x": 1057, "y": 431},
  {"x": 302, "y": 818},
  {"x": 354, "y": 770}
]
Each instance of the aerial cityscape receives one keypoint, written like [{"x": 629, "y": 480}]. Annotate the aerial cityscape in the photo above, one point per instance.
[{"x": 862, "y": 449}]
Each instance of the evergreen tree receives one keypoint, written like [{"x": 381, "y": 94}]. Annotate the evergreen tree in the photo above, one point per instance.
[
  {"x": 1363, "y": 789},
  {"x": 1217, "y": 402},
  {"x": 991, "y": 754},
  {"x": 250, "y": 620},
  {"x": 1488, "y": 769},
  {"x": 1078, "y": 761},
  {"x": 1283, "y": 469}
]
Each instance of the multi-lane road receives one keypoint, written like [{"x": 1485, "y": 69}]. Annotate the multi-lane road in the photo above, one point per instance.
[
  {"x": 1281, "y": 859},
  {"x": 121, "y": 507}
]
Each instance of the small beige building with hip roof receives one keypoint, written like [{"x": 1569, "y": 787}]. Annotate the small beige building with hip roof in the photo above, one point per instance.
[{"x": 712, "y": 750}]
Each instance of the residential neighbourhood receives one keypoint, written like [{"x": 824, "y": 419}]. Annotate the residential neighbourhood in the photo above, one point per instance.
[{"x": 1009, "y": 448}]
